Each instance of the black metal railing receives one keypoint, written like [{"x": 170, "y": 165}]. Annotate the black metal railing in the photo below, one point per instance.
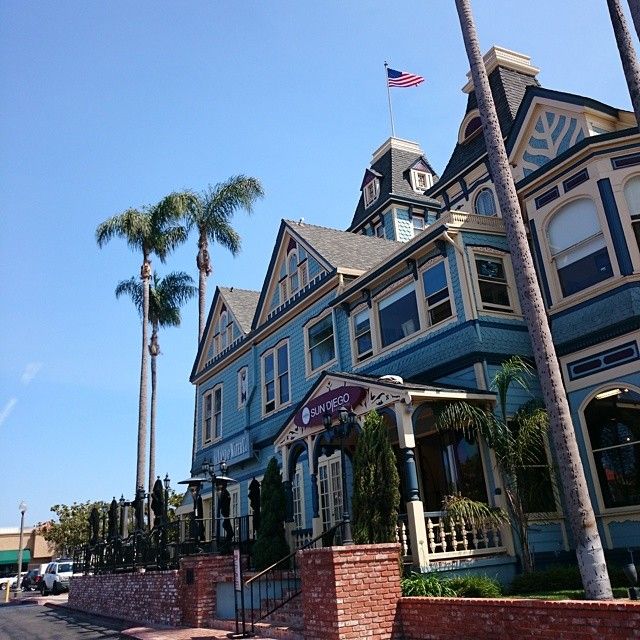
[
  {"x": 279, "y": 583},
  {"x": 163, "y": 546}
]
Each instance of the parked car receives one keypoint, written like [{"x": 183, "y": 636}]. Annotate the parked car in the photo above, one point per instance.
[
  {"x": 10, "y": 581},
  {"x": 56, "y": 577},
  {"x": 31, "y": 580}
]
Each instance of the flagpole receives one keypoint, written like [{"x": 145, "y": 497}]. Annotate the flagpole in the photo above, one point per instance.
[{"x": 386, "y": 79}]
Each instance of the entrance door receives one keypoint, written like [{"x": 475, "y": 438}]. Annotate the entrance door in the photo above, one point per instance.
[{"x": 330, "y": 490}]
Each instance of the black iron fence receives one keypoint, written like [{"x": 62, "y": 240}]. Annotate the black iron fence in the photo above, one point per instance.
[{"x": 164, "y": 545}]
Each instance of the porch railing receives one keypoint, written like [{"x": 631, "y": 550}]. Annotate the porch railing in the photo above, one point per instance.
[
  {"x": 163, "y": 546},
  {"x": 448, "y": 538}
]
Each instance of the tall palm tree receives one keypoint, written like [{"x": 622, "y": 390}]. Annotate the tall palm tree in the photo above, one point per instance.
[
  {"x": 211, "y": 214},
  {"x": 626, "y": 50},
  {"x": 572, "y": 479},
  {"x": 151, "y": 230},
  {"x": 518, "y": 443},
  {"x": 166, "y": 296}
]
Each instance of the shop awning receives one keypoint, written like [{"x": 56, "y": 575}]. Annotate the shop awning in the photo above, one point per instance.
[{"x": 11, "y": 556}]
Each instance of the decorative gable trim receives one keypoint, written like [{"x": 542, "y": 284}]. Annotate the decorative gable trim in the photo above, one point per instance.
[{"x": 286, "y": 242}]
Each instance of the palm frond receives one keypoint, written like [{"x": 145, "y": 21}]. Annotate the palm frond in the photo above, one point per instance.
[
  {"x": 132, "y": 226},
  {"x": 513, "y": 370},
  {"x": 133, "y": 289},
  {"x": 472, "y": 421},
  {"x": 166, "y": 238},
  {"x": 167, "y": 295},
  {"x": 238, "y": 192},
  {"x": 459, "y": 508},
  {"x": 224, "y": 234}
]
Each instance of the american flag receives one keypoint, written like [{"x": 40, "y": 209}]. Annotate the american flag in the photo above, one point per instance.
[{"x": 402, "y": 78}]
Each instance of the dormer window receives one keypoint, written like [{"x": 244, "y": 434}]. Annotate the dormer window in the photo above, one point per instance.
[
  {"x": 371, "y": 191},
  {"x": 294, "y": 272},
  {"x": 470, "y": 127},
  {"x": 421, "y": 180},
  {"x": 418, "y": 224},
  {"x": 292, "y": 268}
]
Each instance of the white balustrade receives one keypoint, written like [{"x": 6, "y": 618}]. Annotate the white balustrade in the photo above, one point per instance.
[{"x": 448, "y": 538}]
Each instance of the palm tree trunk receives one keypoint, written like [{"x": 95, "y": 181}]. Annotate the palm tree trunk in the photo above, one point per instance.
[
  {"x": 204, "y": 270},
  {"x": 627, "y": 52},
  {"x": 572, "y": 479},
  {"x": 634, "y": 8},
  {"x": 145, "y": 275},
  {"x": 154, "y": 350}
]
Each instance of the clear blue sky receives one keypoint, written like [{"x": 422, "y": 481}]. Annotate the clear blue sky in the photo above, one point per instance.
[{"x": 110, "y": 105}]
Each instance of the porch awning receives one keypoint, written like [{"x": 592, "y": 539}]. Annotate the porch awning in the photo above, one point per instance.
[{"x": 11, "y": 556}]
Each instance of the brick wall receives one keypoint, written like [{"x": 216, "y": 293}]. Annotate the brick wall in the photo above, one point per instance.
[
  {"x": 140, "y": 597},
  {"x": 350, "y": 592},
  {"x": 199, "y": 576},
  {"x": 186, "y": 597},
  {"x": 488, "y": 619}
]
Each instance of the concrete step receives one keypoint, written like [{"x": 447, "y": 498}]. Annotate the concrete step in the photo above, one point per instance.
[{"x": 263, "y": 630}]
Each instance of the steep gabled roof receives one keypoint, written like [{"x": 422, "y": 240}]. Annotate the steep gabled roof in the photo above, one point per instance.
[
  {"x": 392, "y": 162},
  {"x": 508, "y": 88},
  {"x": 240, "y": 304},
  {"x": 343, "y": 249},
  {"x": 333, "y": 249}
]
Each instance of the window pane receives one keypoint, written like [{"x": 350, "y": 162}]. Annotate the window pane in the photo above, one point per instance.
[
  {"x": 283, "y": 360},
  {"x": 493, "y": 293},
  {"x": 268, "y": 367},
  {"x": 585, "y": 272},
  {"x": 284, "y": 388},
  {"x": 485, "y": 203},
  {"x": 321, "y": 331},
  {"x": 434, "y": 279},
  {"x": 573, "y": 223},
  {"x": 363, "y": 343},
  {"x": 614, "y": 430},
  {"x": 488, "y": 268},
  {"x": 362, "y": 322},
  {"x": 398, "y": 315},
  {"x": 440, "y": 313},
  {"x": 632, "y": 195}
]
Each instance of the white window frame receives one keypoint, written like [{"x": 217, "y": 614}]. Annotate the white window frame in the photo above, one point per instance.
[
  {"x": 215, "y": 423},
  {"x": 371, "y": 192},
  {"x": 416, "y": 175},
  {"x": 277, "y": 375},
  {"x": 477, "y": 197},
  {"x": 432, "y": 264},
  {"x": 297, "y": 493},
  {"x": 634, "y": 216},
  {"x": 307, "y": 344},
  {"x": 330, "y": 490},
  {"x": 293, "y": 275},
  {"x": 494, "y": 254},
  {"x": 356, "y": 357},
  {"x": 385, "y": 295},
  {"x": 242, "y": 404},
  {"x": 420, "y": 227}
]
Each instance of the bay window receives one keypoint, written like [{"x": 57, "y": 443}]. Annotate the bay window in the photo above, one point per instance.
[{"x": 436, "y": 292}]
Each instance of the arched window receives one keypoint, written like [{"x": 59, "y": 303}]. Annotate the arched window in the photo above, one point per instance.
[
  {"x": 485, "y": 204},
  {"x": 222, "y": 328},
  {"x": 473, "y": 126},
  {"x": 613, "y": 423},
  {"x": 632, "y": 196},
  {"x": 577, "y": 245},
  {"x": 294, "y": 282}
]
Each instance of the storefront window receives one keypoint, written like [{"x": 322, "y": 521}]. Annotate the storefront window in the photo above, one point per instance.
[{"x": 613, "y": 423}]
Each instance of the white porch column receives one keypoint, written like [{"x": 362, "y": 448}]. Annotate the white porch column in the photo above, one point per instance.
[{"x": 415, "y": 507}]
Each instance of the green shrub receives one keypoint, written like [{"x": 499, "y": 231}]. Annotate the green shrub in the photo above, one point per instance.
[
  {"x": 554, "y": 578},
  {"x": 473, "y": 586},
  {"x": 561, "y": 577},
  {"x": 427, "y": 584},
  {"x": 437, "y": 586}
]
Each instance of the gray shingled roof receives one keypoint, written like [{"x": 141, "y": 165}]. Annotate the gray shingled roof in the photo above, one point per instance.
[
  {"x": 508, "y": 88},
  {"x": 343, "y": 248},
  {"x": 393, "y": 167},
  {"x": 242, "y": 303}
]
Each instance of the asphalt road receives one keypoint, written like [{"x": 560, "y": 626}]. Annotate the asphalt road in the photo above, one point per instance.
[{"x": 34, "y": 622}]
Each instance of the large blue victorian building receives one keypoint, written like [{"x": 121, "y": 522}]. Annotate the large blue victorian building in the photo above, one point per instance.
[{"x": 415, "y": 304}]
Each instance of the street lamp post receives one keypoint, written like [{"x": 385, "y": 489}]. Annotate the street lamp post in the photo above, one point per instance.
[
  {"x": 347, "y": 419},
  {"x": 23, "y": 509}
]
